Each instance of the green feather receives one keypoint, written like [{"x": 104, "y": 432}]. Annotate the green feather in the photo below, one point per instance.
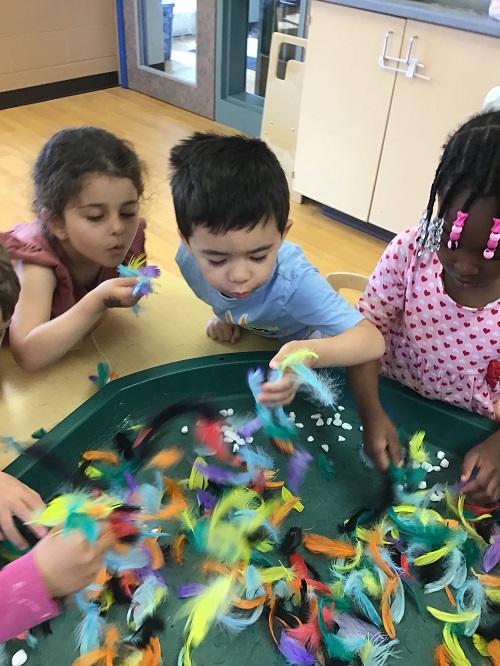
[{"x": 326, "y": 468}]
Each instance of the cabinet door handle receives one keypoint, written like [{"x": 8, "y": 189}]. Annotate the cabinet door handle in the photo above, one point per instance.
[{"x": 412, "y": 64}]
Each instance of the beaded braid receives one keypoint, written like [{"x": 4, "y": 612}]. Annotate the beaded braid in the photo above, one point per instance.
[{"x": 470, "y": 160}]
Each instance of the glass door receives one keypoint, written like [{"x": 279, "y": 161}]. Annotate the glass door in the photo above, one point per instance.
[
  {"x": 244, "y": 31},
  {"x": 169, "y": 51}
]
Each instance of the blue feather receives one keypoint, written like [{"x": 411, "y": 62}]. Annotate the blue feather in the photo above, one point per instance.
[
  {"x": 455, "y": 573},
  {"x": 146, "y": 599},
  {"x": 354, "y": 590},
  {"x": 89, "y": 631},
  {"x": 135, "y": 558},
  {"x": 471, "y": 597},
  {"x": 151, "y": 498},
  {"x": 378, "y": 654},
  {"x": 274, "y": 421},
  {"x": 255, "y": 460},
  {"x": 234, "y": 624},
  {"x": 253, "y": 583},
  {"x": 319, "y": 388}
]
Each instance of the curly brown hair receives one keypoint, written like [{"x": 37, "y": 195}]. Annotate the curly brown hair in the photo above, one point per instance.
[{"x": 9, "y": 286}]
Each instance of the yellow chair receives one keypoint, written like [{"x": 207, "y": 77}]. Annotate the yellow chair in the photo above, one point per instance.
[{"x": 353, "y": 281}]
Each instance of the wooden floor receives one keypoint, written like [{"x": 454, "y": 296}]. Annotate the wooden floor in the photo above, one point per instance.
[{"x": 153, "y": 127}]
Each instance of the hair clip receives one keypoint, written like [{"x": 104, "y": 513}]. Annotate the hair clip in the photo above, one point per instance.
[
  {"x": 429, "y": 235},
  {"x": 493, "y": 240},
  {"x": 456, "y": 230}
]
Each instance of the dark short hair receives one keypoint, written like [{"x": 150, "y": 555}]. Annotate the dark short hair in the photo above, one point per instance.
[
  {"x": 9, "y": 285},
  {"x": 74, "y": 153},
  {"x": 227, "y": 183}
]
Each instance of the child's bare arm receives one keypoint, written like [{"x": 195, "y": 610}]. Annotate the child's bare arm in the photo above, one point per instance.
[{"x": 35, "y": 339}]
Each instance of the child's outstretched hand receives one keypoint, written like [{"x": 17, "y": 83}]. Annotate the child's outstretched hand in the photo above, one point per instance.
[
  {"x": 381, "y": 441},
  {"x": 484, "y": 459},
  {"x": 223, "y": 331},
  {"x": 68, "y": 563},
  {"x": 117, "y": 293},
  {"x": 282, "y": 392},
  {"x": 17, "y": 500}
]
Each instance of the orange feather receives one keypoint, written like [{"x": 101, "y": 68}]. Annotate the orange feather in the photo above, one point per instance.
[
  {"x": 377, "y": 557},
  {"x": 248, "y": 604},
  {"x": 285, "y": 446},
  {"x": 173, "y": 509},
  {"x": 494, "y": 652},
  {"x": 157, "y": 558},
  {"x": 165, "y": 458},
  {"x": 173, "y": 489},
  {"x": 106, "y": 456},
  {"x": 330, "y": 548},
  {"x": 441, "y": 656},
  {"x": 178, "y": 548},
  {"x": 282, "y": 512},
  {"x": 390, "y": 588},
  {"x": 488, "y": 581},
  {"x": 104, "y": 655},
  {"x": 450, "y": 596}
]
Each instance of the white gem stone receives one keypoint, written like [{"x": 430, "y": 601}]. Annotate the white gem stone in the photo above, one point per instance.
[
  {"x": 337, "y": 423},
  {"x": 400, "y": 488},
  {"x": 436, "y": 468},
  {"x": 445, "y": 463},
  {"x": 341, "y": 439},
  {"x": 347, "y": 426},
  {"x": 236, "y": 448},
  {"x": 223, "y": 412},
  {"x": 440, "y": 455},
  {"x": 315, "y": 417},
  {"x": 249, "y": 440},
  {"x": 230, "y": 412},
  {"x": 184, "y": 430},
  {"x": 292, "y": 416},
  {"x": 361, "y": 428},
  {"x": 299, "y": 425},
  {"x": 434, "y": 497},
  {"x": 19, "y": 658},
  {"x": 325, "y": 447},
  {"x": 310, "y": 439},
  {"x": 415, "y": 465},
  {"x": 320, "y": 422},
  {"x": 340, "y": 408},
  {"x": 422, "y": 485},
  {"x": 329, "y": 421}
]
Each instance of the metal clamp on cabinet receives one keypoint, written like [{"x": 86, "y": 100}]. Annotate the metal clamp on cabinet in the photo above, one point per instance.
[{"x": 412, "y": 64}]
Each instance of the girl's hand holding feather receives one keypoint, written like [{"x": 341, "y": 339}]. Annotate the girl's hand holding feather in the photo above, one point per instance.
[
  {"x": 68, "y": 563},
  {"x": 17, "y": 500}
]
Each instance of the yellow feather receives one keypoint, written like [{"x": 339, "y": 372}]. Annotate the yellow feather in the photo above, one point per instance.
[
  {"x": 196, "y": 479},
  {"x": 203, "y": 610},
  {"x": 454, "y": 648},
  {"x": 452, "y": 618},
  {"x": 272, "y": 574},
  {"x": 354, "y": 562},
  {"x": 493, "y": 595},
  {"x": 481, "y": 645},
  {"x": 56, "y": 511},
  {"x": 137, "y": 262},
  {"x": 458, "y": 510},
  {"x": 435, "y": 555},
  {"x": 265, "y": 546},
  {"x": 134, "y": 659},
  {"x": 286, "y": 495},
  {"x": 416, "y": 447},
  {"x": 372, "y": 585},
  {"x": 296, "y": 357}
]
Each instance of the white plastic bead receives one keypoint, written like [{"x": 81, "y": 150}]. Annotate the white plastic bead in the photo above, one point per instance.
[
  {"x": 445, "y": 463},
  {"x": 329, "y": 421},
  {"x": 436, "y": 468},
  {"x": 292, "y": 416},
  {"x": 223, "y": 412},
  {"x": 325, "y": 447},
  {"x": 249, "y": 440},
  {"x": 434, "y": 497},
  {"x": 320, "y": 422},
  {"x": 361, "y": 428},
  {"x": 230, "y": 412},
  {"x": 347, "y": 426},
  {"x": 400, "y": 488},
  {"x": 422, "y": 485},
  {"x": 336, "y": 416},
  {"x": 415, "y": 465},
  {"x": 340, "y": 408},
  {"x": 228, "y": 440},
  {"x": 440, "y": 455},
  {"x": 441, "y": 495},
  {"x": 337, "y": 423},
  {"x": 184, "y": 430},
  {"x": 315, "y": 417},
  {"x": 299, "y": 425},
  {"x": 236, "y": 448},
  {"x": 19, "y": 658},
  {"x": 341, "y": 439},
  {"x": 310, "y": 439}
]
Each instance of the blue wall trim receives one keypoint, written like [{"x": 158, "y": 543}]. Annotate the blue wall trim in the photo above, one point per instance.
[{"x": 122, "y": 55}]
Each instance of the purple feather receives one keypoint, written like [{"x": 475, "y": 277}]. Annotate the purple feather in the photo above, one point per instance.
[
  {"x": 351, "y": 627},
  {"x": 131, "y": 482},
  {"x": 190, "y": 590},
  {"x": 150, "y": 271},
  {"x": 208, "y": 500},
  {"x": 250, "y": 428},
  {"x": 224, "y": 477},
  {"x": 297, "y": 468},
  {"x": 294, "y": 653},
  {"x": 492, "y": 555}
]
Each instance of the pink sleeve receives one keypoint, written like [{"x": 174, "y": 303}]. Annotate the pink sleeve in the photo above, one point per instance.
[
  {"x": 24, "y": 601},
  {"x": 383, "y": 301}
]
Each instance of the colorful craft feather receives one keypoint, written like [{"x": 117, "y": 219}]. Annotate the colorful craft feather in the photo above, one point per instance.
[
  {"x": 353, "y": 589},
  {"x": 297, "y": 469},
  {"x": 325, "y": 466},
  {"x": 91, "y": 628},
  {"x": 137, "y": 268},
  {"x": 452, "y": 618},
  {"x": 491, "y": 556},
  {"x": 471, "y": 597},
  {"x": 294, "y": 653},
  {"x": 331, "y": 548},
  {"x": 376, "y": 652},
  {"x": 453, "y": 647},
  {"x": 416, "y": 449},
  {"x": 151, "y": 594},
  {"x": 454, "y": 574},
  {"x": 320, "y": 388},
  {"x": 105, "y": 654},
  {"x": 274, "y": 421}
]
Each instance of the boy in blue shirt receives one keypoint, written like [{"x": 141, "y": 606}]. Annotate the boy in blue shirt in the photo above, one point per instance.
[{"x": 231, "y": 202}]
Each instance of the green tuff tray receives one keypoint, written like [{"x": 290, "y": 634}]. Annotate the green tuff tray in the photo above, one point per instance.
[{"x": 221, "y": 380}]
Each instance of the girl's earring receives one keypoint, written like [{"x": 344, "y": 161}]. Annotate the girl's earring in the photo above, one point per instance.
[
  {"x": 493, "y": 240},
  {"x": 456, "y": 230}
]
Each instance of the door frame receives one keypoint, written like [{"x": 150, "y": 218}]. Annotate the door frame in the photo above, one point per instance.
[{"x": 198, "y": 97}]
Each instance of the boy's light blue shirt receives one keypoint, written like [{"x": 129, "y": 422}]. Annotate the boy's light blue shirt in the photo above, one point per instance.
[{"x": 293, "y": 304}]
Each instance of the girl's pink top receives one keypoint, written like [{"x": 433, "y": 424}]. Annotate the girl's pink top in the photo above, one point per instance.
[
  {"x": 27, "y": 243},
  {"x": 440, "y": 349},
  {"x": 24, "y": 601}
]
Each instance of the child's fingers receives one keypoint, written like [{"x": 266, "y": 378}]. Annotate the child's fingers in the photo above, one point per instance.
[
  {"x": 470, "y": 462},
  {"x": 236, "y": 335},
  {"x": 275, "y": 361},
  {"x": 10, "y": 532}
]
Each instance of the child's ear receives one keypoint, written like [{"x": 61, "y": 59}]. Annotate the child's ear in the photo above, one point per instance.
[
  {"x": 289, "y": 224},
  {"x": 185, "y": 241},
  {"x": 55, "y": 224}
]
